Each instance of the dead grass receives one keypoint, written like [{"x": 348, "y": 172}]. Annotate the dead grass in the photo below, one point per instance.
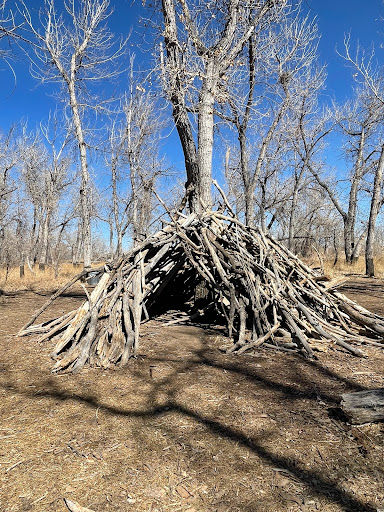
[
  {"x": 37, "y": 280},
  {"x": 46, "y": 281},
  {"x": 342, "y": 268}
]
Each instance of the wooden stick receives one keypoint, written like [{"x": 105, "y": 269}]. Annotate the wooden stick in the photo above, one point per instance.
[{"x": 57, "y": 294}]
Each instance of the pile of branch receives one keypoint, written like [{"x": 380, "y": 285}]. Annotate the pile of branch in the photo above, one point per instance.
[{"x": 254, "y": 285}]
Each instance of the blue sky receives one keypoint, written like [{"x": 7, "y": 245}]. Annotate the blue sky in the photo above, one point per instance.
[
  {"x": 31, "y": 101},
  {"x": 335, "y": 18},
  {"x": 362, "y": 19}
]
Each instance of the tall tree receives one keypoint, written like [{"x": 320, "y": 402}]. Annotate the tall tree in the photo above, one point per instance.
[
  {"x": 373, "y": 81},
  {"x": 202, "y": 41},
  {"x": 133, "y": 157},
  {"x": 75, "y": 49},
  {"x": 281, "y": 68},
  {"x": 57, "y": 179},
  {"x": 9, "y": 159}
]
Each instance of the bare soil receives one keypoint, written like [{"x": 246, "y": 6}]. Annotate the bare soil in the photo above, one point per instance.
[{"x": 185, "y": 427}]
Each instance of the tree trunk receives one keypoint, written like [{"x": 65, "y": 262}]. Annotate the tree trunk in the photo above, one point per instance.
[
  {"x": 179, "y": 109},
  {"x": 350, "y": 249},
  {"x": 374, "y": 211},
  {"x": 348, "y": 240},
  {"x": 205, "y": 138},
  {"x": 248, "y": 189},
  {"x": 77, "y": 247},
  {"x": 84, "y": 187},
  {"x": 44, "y": 242},
  {"x": 293, "y": 209},
  {"x": 118, "y": 227},
  {"x": 263, "y": 225}
]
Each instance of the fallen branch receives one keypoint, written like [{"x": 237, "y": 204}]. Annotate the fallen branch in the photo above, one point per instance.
[{"x": 364, "y": 406}]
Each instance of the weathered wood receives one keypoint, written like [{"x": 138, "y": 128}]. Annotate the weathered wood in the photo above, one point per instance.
[
  {"x": 57, "y": 294},
  {"x": 361, "y": 316},
  {"x": 364, "y": 406},
  {"x": 263, "y": 292},
  {"x": 75, "y": 507}
]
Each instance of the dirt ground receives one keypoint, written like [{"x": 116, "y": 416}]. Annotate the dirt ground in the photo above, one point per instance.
[{"x": 185, "y": 427}]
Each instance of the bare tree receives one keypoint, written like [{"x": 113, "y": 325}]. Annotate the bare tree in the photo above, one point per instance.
[
  {"x": 57, "y": 181},
  {"x": 46, "y": 178},
  {"x": 133, "y": 157},
  {"x": 9, "y": 159},
  {"x": 202, "y": 41},
  {"x": 75, "y": 52},
  {"x": 373, "y": 80},
  {"x": 356, "y": 122},
  {"x": 280, "y": 68}
]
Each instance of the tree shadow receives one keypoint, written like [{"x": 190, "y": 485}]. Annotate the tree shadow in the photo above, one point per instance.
[{"x": 318, "y": 481}]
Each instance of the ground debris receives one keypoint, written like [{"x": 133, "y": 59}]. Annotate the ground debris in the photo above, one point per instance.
[{"x": 75, "y": 507}]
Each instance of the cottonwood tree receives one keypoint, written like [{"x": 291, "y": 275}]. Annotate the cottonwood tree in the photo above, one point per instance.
[
  {"x": 357, "y": 122},
  {"x": 76, "y": 50},
  {"x": 143, "y": 125},
  {"x": 9, "y": 159},
  {"x": 372, "y": 79},
  {"x": 133, "y": 157},
  {"x": 57, "y": 180},
  {"x": 45, "y": 175},
  {"x": 314, "y": 224},
  {"x": 8, "y": 153},
  {"x": 270, "y": 188},
  {"x": 303, "y": 131},
  {"x": 202, "y": 42},
  {"x": 280, "y": 68},
  {"x": 33, "y": 171}
]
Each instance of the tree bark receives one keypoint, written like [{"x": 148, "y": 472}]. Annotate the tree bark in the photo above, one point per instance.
[
  {"x": 373, "y": 213},
  {"x": 179, "y": 109},
  {"x": 205, "y": 136},
  {"x": 84, "y": 188},
  {"x": 44, "y": 242},
  {"x": 292, "y": 213}
]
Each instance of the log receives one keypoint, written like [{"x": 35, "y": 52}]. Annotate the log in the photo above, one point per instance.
[{"x": 364, "y": 406}]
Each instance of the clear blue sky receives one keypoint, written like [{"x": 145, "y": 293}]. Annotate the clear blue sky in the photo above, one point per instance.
[
  {"x": 32, "y": 102},
  {"x": 363, "y": 19}
]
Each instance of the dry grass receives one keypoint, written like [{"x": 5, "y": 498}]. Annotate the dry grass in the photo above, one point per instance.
[
  {"x": 46, "y": 281},
  {"x": 38, "y": 280},
  {"x": 342, "y": 268}
]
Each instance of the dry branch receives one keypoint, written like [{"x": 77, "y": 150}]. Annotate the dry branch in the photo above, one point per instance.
[{"x": 255, "y": 286}]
